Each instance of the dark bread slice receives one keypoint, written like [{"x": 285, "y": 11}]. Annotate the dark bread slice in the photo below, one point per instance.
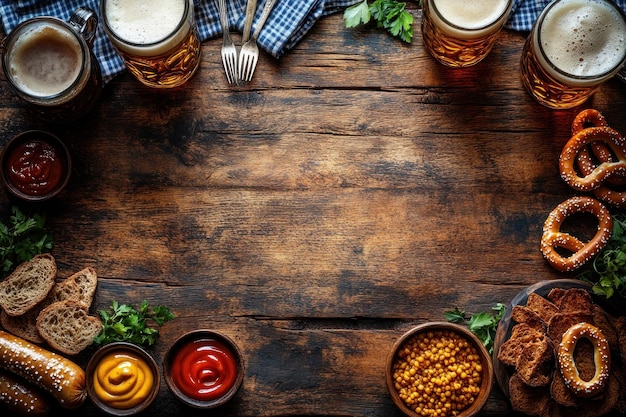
[
  {"x": 602, "y": 321},
  {"x": 543, "y": 307},
  {"x": 526, "y": 399},
  {"x": 535, "y": 365},
  {"x": 556, "y": 294},
  {"x": 25, "y": 326},
  {"x": 523, "y": 314},
  {"x": 575, "y": 300},
  {"x": 521, "y": 334},
  {"x": 560, "y": 322},
  {"x": 620, "y": 328},
  {"x": 28, "y": 285},
  {"x": 67, "y": 326},
  {"x": 560, "y": 392}
]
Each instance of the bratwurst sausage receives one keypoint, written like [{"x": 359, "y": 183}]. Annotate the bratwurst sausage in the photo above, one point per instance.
[
  {"x": 62, "y": 378},
  {"x": 21, "y": 398}
]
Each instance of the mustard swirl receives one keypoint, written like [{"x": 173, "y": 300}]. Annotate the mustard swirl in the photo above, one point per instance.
[{"x": 123, "y": 380}]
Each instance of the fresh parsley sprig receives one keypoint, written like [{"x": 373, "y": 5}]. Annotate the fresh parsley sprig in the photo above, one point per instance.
[
  {"x": 123, "y": 323},
  {"x": 607, "y": 272},
  {"x": 23, "y": 237},
  {"x": 388, "y": 14},
  {"x": 483, "y": 324}
]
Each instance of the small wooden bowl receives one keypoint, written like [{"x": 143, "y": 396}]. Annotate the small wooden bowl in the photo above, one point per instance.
[
  {"x": 190, "y": 338},
  {"x": 485, "y": 358},
  {"x": 132, "y": 349},
  {"x": 14, "y": 148}
]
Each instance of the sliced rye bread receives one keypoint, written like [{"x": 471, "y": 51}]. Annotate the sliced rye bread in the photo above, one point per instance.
[
  {"x": 25, "y": 326},
  {"x": 67, "y": 326},
  {"x": 87, "y": 281},
  {"x": 542, "y": 306},
  {"x": 28, "y": 285}
]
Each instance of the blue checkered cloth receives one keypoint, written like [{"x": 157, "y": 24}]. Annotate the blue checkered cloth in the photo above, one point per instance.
[
  {"x": 289, "y": 21},
  {"x": 525, "y": 12}
]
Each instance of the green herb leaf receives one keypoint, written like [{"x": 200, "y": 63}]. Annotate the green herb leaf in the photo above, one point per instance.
[
  {"x": 357, "y": 14},
  {"x": 607, "y": 272},
  {"x": 123, "y": 323},
  {"x": 22, "y": 238},
  {"x": 389, "y": 14},
  {"x": 483, "y": 324}
]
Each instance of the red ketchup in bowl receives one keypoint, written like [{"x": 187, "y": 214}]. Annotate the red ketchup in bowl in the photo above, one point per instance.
[
  {"x": 35, "y": 167},
  {"x": 204, "y": 369}
]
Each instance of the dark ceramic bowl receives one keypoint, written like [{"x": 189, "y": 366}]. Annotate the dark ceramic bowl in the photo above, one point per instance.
[
  {"x": 36, "y": 166},
  {"x": 485, "y": 359},
  {"x": 130, "y": 349},
  {"x": 224, "y": 365}
]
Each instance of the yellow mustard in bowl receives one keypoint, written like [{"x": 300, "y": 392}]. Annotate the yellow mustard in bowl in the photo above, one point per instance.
[{"x": 123, "y": 380}]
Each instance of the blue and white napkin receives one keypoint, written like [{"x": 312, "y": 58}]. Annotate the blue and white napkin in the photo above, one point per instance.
[{"x": 288, "y": 23}]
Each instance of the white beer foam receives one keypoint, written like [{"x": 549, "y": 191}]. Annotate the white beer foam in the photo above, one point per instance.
[
  {"x": 45, "y": 60},
  {"x": 584, "y": 38},
  {"x": 146, "y": 24},
  {"x": 471, "y": 15}
]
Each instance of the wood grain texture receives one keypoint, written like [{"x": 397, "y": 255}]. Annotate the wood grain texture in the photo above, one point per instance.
[{"x": 354, "y": 189}]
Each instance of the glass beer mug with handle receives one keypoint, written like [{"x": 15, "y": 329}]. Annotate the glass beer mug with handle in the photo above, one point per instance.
[
  {"x": 50, "y": 65},
  {"x": 460, "y": 33},
  {"x": 158, "y": 40},
  {"x": 574, "y": 47}
]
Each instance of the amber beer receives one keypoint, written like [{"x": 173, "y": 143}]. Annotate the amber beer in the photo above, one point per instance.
[
  {"x": 573, "y": 48},
  {"x": 158, "y": 40},
  {"x": 460, "y": 33},
  {"x": 51, "y": 68}
]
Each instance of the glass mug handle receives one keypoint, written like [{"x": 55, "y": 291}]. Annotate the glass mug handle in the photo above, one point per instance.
[{"x": 85, "y": 22}]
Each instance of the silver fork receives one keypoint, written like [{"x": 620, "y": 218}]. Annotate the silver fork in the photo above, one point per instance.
[
  {"x": 229, "y": 51},
  {"x": 249, "y": 53}
]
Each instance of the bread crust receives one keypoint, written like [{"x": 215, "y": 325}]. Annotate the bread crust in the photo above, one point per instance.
[{"x": 28, "y": 284}]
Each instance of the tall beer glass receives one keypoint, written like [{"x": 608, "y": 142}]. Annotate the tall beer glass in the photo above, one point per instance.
[
  {"x": 574, "y": 47},
  {"x": 50, "y": 65},
  {"x": 460, "y": 33},
  {"x": 158, "y": 40}
]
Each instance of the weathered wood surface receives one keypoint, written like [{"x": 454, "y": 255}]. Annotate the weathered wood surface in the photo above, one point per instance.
[{"x": 354, "y": 189}]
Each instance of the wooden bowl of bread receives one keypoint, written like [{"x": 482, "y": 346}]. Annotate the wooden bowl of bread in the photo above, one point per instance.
[
  {"x": 560, "y": 348},
  {"x": 439, "y": 368}
]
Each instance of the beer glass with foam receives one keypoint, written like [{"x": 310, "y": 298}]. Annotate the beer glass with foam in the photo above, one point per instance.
[
  {"x": 50, "y": 65},
  {"x": 158, "y": 40},
  {"x": 574, "y": 47},
  {"x": 460, "y": 33}
]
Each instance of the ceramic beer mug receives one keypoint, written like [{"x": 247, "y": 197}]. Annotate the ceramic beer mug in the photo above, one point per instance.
[
  {"x": 574, "y": 47},
  {"x": 158, "y": 40},
  {"x": 50, "y": 65},
  {"x": 460, "y": 33}
]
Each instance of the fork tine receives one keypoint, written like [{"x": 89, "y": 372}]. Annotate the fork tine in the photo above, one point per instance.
[
  {"x": 251, "y": 67},
  {"x": 249, "y": 53},
  {"x": 228, "y": 51}
]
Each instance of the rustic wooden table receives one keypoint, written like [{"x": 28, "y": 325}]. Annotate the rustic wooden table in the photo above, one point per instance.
[{"x": 354, "y": 189}]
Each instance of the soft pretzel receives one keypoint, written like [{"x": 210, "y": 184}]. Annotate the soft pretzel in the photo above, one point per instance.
[
  {"x": 606, "y": 169},
  {"x": 588, "y": 118},
  {"x": 601, "y": 356},
  {"x": 553, "y": 238},
  {"x": 597, "y": 152}
]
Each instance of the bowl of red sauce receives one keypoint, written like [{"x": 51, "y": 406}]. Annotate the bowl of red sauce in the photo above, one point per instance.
[
  {"x": 203, "y": 369},
  {"x": 36, "y": 165},
  {"x": 122, "y": 379}
]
